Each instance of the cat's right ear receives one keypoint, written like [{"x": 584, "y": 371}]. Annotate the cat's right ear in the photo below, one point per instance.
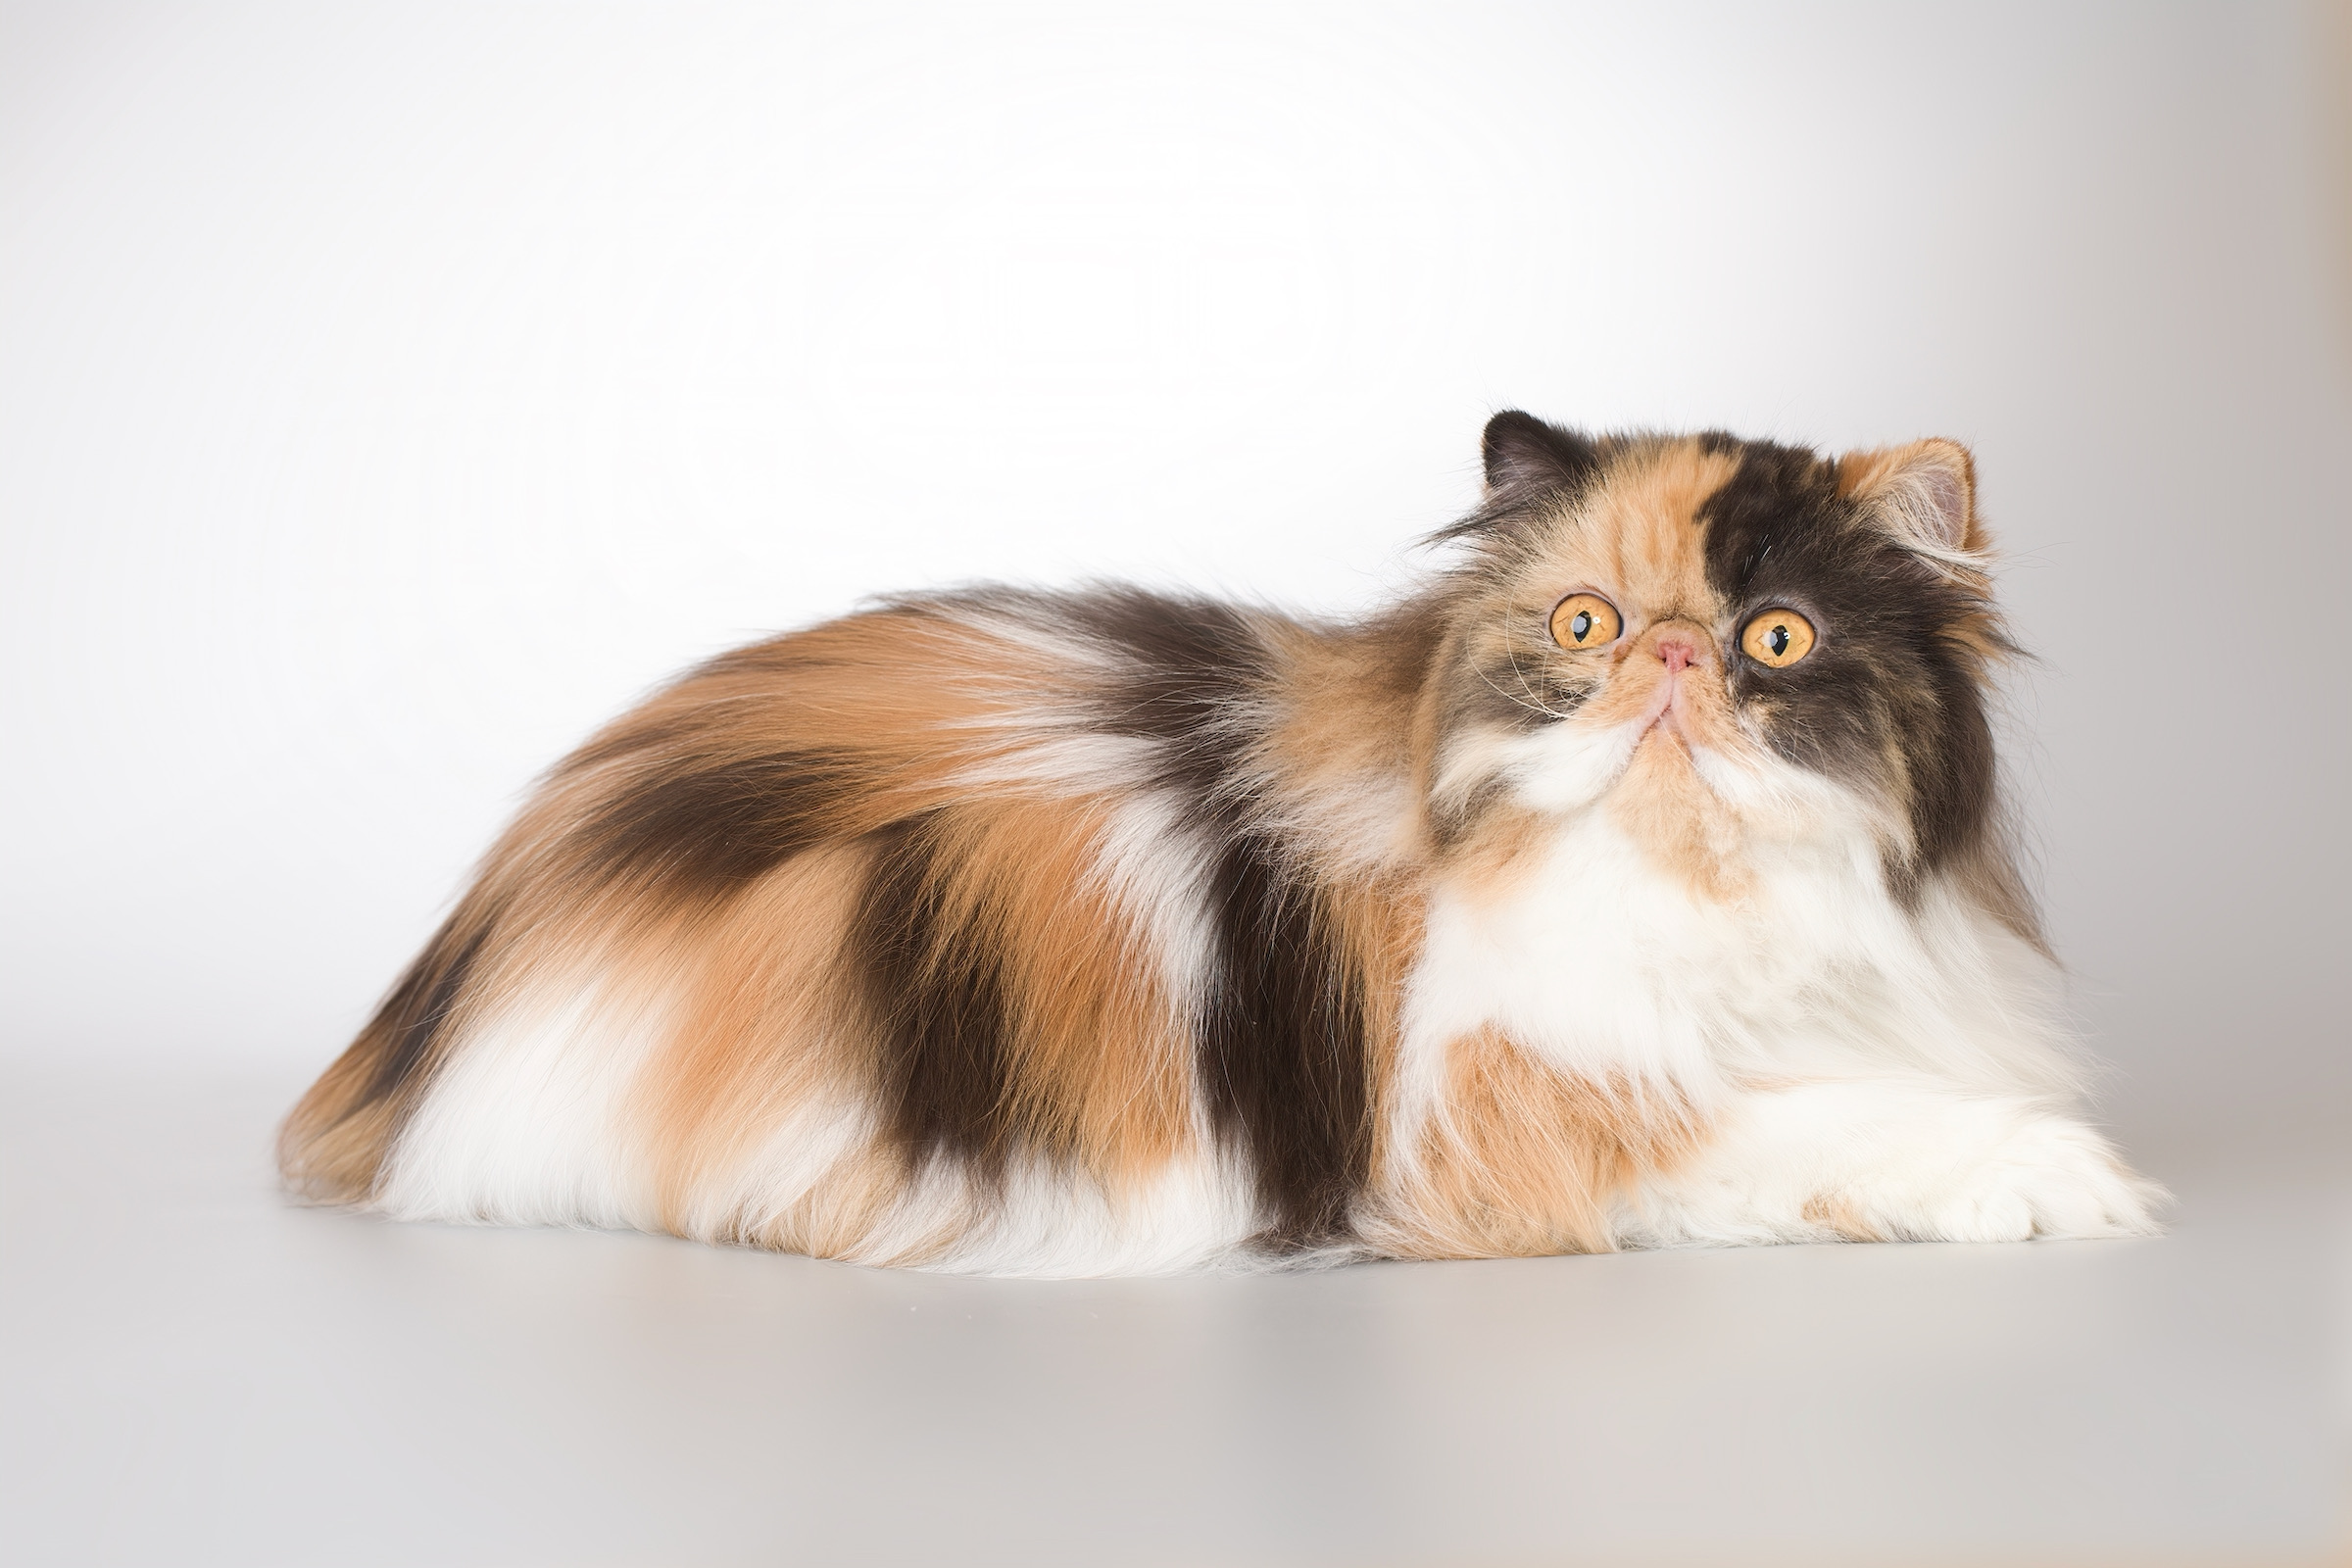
[
  {"x": 1923, "y": 494},
  {"x": 1526, "y": 458}
]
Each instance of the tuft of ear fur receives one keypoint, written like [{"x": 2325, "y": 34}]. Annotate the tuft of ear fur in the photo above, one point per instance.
[
  {"x": 1923, "y": 494},
  {"x": 1526, "y": 457}
]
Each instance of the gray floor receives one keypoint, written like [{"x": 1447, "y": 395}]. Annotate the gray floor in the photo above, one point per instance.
[{"x": 198, "y": 1372}]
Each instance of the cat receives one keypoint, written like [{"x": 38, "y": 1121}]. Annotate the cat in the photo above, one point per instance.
[{"x": 1638, "y": 881}]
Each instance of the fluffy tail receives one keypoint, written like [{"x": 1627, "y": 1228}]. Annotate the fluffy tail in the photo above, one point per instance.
[{"x": 332, "y": 1147}]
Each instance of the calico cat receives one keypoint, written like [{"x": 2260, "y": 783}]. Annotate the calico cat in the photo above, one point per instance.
[{"x": 1637, "y": 882}]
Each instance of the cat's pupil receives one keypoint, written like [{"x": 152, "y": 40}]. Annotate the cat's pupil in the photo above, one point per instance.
[
  {"x": 1579, "y": 624},
  {"x": 1777, "y": 640}
]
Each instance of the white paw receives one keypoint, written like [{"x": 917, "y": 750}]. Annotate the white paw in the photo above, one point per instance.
[{"x": 2035, "y": 1176}]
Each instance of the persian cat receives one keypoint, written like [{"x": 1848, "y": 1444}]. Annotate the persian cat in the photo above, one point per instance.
[{"x": 1637, "y": 882}]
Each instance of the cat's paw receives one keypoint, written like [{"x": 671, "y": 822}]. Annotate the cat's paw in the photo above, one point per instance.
[{"x": 2043, "y": 1176}]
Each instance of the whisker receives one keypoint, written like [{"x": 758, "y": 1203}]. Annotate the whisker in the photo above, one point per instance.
[{"x": 1528, "y": 699}]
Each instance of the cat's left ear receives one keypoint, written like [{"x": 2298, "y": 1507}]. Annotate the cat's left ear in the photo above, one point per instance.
[
  {"x": 1925, "y": 494},
  {"x": 1525, "y": 456}
]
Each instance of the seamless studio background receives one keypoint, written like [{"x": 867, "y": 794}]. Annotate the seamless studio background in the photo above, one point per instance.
[{"x": 390, "y": 393}]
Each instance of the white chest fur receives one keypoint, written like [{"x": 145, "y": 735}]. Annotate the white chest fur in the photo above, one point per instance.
[{"x": 1611, "y": 967}]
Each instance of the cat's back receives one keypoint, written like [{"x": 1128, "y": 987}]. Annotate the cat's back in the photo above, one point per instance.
[{"x": 844, "y": 936}]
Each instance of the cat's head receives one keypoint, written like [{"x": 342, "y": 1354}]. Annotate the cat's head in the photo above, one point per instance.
[{"x": 1720, "y": 641}]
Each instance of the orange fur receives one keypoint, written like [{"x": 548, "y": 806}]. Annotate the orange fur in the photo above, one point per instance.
[
  {"x": 760, "y": 1030},
  {"x": 1521, "y": 1161},
  {"x": 1101, "y": 1072}
]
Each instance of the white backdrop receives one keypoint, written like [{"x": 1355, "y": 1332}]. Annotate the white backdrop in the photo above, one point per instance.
[{"x": 389, "y": 393}]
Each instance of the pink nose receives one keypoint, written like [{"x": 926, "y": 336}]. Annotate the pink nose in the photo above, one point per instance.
[{"x": 1678, "y": 650}]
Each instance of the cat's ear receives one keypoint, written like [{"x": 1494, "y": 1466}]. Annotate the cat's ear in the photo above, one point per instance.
[
  {"x": 1525, "y": 456},
  {"x": 1925, "y": 494}
]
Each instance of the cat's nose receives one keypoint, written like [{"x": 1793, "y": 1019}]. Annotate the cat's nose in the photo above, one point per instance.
[{"x": 1678, "y": 650}]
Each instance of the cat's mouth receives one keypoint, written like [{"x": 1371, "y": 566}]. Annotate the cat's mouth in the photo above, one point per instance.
[
  {"x": 1684, "y": 722},
  {"x": 1666, "y": 713}
]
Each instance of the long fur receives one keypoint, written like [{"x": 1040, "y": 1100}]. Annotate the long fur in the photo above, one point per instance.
[{"x": 1115, "y": 931}]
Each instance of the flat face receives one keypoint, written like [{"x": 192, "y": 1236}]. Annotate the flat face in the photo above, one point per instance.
[{"x": 1694, "y": 628}]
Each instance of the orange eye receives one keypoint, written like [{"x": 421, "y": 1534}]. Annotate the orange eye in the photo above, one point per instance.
[
  {"x": 1585, "y": 620},
  {"x": 1777, "y": 638}
]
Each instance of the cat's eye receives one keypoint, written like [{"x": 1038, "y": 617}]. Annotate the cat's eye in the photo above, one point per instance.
[
  {"x": 1777, "y": 638},
  {"x": 1585, "y": 620}
]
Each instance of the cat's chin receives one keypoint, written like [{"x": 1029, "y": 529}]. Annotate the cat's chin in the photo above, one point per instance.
[
  {"x": 1665, "y": 737},
  {"x": 1671, "y": 790},
  {"x": 1663, "y": 764},
  {"x": 1665, "y": 758}
]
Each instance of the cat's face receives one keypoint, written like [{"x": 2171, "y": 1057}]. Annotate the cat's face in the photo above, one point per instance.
[{"x": 1715, "y": 637}]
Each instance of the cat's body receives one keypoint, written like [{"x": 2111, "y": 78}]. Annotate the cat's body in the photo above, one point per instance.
[{"x": 1025, "y": 933}]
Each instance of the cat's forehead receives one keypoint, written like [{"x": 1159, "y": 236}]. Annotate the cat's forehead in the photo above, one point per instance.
[{"x": 1674, "y": 524}]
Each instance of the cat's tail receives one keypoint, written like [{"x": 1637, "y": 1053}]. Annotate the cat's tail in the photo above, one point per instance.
[{"x": 333, "y": 1145}]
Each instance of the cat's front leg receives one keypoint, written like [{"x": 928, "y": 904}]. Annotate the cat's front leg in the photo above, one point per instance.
[{"x": 1888, "y": 1160}]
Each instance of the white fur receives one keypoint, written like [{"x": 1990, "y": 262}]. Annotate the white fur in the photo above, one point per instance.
[
  {"x": 1906, "y": 1158},
  {"x": 527, "y": 1122},
  {"x": 1902, "y": 1066},
  {"x": 1560, "y": 768},
  {"x": 811, "y": 1141},
  {"x": 528, "y": 1125},
  {"x": 1156, "y": 872},
  {"x": 1194, "y": 1212}
]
